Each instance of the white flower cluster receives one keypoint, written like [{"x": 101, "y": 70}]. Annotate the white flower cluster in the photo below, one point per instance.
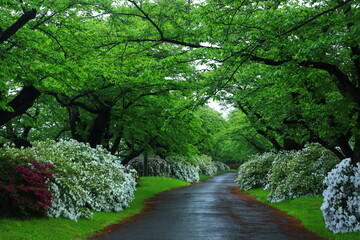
[
  {"x": 294, "y": 174},
  {"x": 221, "y": 166},
  {"x": 171, "y": 167},
  {"x": 341, "y": 206},
  {"x": 85, "y": 179},
  {"x": 206, "y": 165},
  {"x": 288, "y": 174},
  {"x": 253, "y": 173},
  {"x": 156, "y": 166},
  {"x": 182, "y": 169}
]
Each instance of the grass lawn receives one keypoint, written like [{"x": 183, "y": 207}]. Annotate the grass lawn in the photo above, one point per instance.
[
  {"x": 307, "y": 210},
  {"x": 60, "y": 228}
]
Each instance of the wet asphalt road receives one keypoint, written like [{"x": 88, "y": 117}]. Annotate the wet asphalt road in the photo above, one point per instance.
[{"x": 208, "y": 211}]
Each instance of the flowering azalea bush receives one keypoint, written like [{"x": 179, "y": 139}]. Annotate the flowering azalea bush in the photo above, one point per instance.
[
  {"x": 294, "y": 174},
  {"x": 85, "y": 179},
  {"x": 341, "y": 206},
  {"x": 24, "y": 185},
  {"x": 221, "y": 166},
  {"x": 156, "y": 166},
  {"x": 206, "y": 165},
  {"x": 174, "y": 167},
  {"x": 253, "y": 173},
  {"x": 182, "y": 169}
]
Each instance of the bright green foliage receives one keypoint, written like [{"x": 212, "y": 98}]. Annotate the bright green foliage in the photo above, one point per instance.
[{"x": 254, "y": 172}]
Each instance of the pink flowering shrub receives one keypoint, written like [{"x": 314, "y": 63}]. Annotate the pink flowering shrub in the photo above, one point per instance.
[{"x": 23, "y": 185}]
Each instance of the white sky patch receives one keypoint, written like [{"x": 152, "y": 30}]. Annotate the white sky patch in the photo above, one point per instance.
[{"x": 224, "y": 110}]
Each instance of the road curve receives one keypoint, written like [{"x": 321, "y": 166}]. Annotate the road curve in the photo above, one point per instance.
[{"x": 208, "y": 211}]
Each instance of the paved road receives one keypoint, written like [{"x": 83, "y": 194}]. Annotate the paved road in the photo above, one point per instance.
[{"x": 208, "y": 211}]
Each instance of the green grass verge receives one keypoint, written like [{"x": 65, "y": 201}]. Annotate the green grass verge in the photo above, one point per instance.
[
  {"x": 60, "y": 228},
  {"x": 307, "y": 210}
]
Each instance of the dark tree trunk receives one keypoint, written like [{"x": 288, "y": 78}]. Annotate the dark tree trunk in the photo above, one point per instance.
[
  {"x": 345, "y": 147},
  {"x": 355, "y": 158},
  {"x": 75, "y": 123},
  {"x": 291, "y": 144},
  {"x": 98, "y": 128},
  {"x": 20, "y": 104},
  {"x": 145, "y": 165}
]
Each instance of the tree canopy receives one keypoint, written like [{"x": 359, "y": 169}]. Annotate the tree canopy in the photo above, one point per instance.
[{"x": 130, "y": 75}]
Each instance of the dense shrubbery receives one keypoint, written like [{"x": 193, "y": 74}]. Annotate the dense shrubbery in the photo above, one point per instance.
[
  {"x": 156, "y": 166},
  {"x": 221, "y": 166},
  {"x": 85, "y": 179},
  {"x": 288, "y": 174},
  {"x": 295, "y": 174},
  {"x": 253, "y": 173},
  {"x": 182, "y": 169},
  {"x": 24, "y": 185},
  {"x": 206, "y": 165},
  {"x": 341, "y": 207},
  {"x": 174, "y": 167}
]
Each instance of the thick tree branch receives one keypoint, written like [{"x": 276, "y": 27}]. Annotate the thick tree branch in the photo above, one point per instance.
[
  {"x": 25, "y": 18},
  {"x": 20, "y": 104},
  {"x": 343, "y": 83}
]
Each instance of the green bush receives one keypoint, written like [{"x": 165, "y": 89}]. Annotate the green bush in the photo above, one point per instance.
[
  {"x": 206, "y": 165},
  {"x": 221, "y": 166},
  {"x": 294, "y": 174},
  {"x": 157, "y": 166},
  {"x": 85, "y": 179},
  {"x": 253, "y": 173},
  {"x": 182, "y": 169}
]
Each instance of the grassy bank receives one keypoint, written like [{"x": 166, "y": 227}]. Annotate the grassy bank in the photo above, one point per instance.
[
  {"x": 307, "y": 210},
  {"x": 59, "y": 228}
]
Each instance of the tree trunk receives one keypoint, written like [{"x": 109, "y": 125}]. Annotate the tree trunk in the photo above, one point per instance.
[
  {"x": 145, "y": 165},
  {"x": 75, "y": 123},
  {"x": 20, "y": 104},
  {"x": 98, "y": 128},
  {"x": 291, "y": 144}
]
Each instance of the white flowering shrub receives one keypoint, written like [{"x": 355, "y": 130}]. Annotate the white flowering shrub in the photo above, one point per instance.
[
  {"x": 221, "y": 166},
  {"x": 294, "y": 174},
  {"x": 253, "y": 173},
  {"x": 341, "y": 206},
  {"x": 182, "y": 169},
  {"x": 157, "y": 166},
  {"x": 206, "y": 165},
  {"x": 85, "y": 179}
]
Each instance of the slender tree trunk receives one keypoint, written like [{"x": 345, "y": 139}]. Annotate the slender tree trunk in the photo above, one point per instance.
[{"x": 145, "y": 165}]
